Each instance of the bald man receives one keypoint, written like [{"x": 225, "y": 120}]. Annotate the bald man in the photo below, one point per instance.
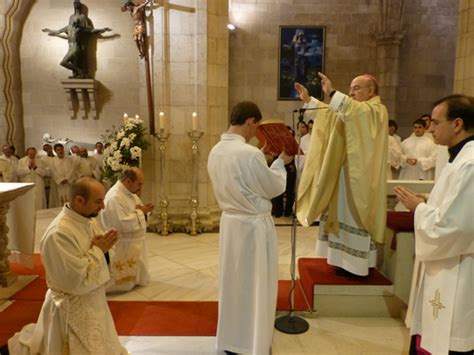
[
  {"x": 75, "y": 317},
  {"x": 125, "y": 211},
  {"x": 344, "y": 177}
]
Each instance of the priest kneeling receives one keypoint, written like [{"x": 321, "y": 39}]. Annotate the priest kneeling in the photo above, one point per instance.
[
  {"x": 75, "y": 317},
  {"x": 441, "y": 306}
]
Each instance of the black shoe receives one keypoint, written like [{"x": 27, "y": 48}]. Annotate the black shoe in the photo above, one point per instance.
[
  {"x": 230, "y": 352},
  {"x": 4, "y": 350}
]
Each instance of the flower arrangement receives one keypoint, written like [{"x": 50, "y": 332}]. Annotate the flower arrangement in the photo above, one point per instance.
[{"x": 123, "y": 147}]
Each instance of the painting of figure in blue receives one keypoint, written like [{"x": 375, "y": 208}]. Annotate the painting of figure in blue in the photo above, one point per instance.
[{"x": 301, "y": 58}]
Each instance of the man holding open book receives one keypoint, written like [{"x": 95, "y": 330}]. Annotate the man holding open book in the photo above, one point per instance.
[
  {"x": 344, "y": 177},
  {"x": 248, "y": 267}
]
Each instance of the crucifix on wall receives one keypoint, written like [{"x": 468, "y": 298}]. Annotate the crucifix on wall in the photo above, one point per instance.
[{"x": 141, "y": 38}]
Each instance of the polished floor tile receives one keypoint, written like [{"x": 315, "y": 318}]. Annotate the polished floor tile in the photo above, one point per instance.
[{"x": 185, "y": 268}]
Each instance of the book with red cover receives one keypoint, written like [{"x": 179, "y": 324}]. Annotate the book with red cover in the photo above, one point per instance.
[{"x": 276, "y": 135}]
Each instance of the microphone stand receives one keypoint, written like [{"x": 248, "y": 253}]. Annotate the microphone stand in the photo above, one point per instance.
[{"x": 291, "y": 324}]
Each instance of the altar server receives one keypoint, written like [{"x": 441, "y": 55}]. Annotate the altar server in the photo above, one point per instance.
[
  {"x": 248, "y": 263},
  {"x": 33, "y": 169},
  {"x": 441, "y": 307}
]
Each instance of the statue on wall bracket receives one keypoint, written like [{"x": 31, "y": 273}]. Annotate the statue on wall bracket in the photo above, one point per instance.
[{"x": 77, "y": 33}]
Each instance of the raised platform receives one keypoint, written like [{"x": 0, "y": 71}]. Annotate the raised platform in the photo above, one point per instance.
[{"x": 333, "y": 292}]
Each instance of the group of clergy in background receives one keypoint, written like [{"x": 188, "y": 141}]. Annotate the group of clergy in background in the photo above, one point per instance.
[
  {"x": 417, "y": 157},
  {"x": 52, "y": 170}
]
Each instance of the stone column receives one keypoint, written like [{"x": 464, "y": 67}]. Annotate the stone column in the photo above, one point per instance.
[
  {"x": 388, "y": 56},
  {"x": 464, "y": 69}
]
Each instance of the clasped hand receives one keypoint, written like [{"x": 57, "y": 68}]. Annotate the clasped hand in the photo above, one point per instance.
[
  {"x": 107, "y": 241},
  {"x": 408, "y": 198},
  {"x": 146, "y": 208}
]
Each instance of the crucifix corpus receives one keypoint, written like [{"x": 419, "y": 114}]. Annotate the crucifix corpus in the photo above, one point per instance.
[{"x": 140, "y": 36}]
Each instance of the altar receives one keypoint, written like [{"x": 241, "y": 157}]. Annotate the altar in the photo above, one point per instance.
[{"x": 17, "y": 228}]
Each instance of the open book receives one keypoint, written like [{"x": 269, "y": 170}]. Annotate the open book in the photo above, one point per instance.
[{"x": 276, "y": 135}]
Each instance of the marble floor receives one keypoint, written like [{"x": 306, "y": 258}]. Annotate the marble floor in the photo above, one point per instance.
[{"x": 184, "y": 268}]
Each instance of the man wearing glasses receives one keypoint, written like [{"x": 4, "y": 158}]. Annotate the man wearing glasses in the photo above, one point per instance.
[
  {"x": 441, "y": 306},
  {"x": 344, "y": 177}
]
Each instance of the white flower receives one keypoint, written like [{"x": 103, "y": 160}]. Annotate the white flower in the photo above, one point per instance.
[
  {"x": 117, "y": 155},
  {"x": 125, "y": 143},
  {"x": 136, "y": 152},
  {"x": 113, "y": 146},
  {"x": 120, "y": 134},
  {"x": 132, "y": 137}
]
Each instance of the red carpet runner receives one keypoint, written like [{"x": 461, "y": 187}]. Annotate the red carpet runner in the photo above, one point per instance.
[{"x": 160, "y": 318}]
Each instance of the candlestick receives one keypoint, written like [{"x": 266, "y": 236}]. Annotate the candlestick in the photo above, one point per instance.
[
  {"x": 161, "y": 122},
  {"x": 195, "y": 122},
  {"x": 165, "y": 227},
  {"x": 194, "y": 227}
]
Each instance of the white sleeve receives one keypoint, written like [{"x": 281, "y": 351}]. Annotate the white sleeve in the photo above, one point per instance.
[
  {"x": 447, "y": 230},
  {"x": 69, "y": 269},
  {"x": 268, "y": 182}
]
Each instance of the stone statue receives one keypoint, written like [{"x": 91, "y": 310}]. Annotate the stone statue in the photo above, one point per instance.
[
  {"x": 137, "y": 12},
  {"x": 76, "y": 32}
]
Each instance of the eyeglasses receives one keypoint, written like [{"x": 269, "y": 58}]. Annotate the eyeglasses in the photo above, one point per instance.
[{"x": 357, "y": 88}]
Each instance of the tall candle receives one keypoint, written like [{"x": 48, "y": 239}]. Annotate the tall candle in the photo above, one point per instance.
[
  {"x": 161, "y": 122},
  {"x": 195, "y": 121}
]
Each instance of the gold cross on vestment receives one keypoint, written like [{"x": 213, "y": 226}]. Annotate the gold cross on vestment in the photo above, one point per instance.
[{"x": 437, "y": 305}]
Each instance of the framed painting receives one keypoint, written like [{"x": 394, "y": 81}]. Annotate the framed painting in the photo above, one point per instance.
[{"x": 301, "y": 57}]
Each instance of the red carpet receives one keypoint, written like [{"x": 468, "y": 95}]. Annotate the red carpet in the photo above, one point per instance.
[
  {"x": 159, "y": 318},
  {"x": 153, "y": 318},
  {"x": 317, "y": 271}
]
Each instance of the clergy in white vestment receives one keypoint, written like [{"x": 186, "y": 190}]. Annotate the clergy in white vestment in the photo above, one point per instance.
[
  {"x": 5, "y": 171},
  {"x": 63, "y": 174},
  {"x": 248, "y": 258},
  {"x": 392, "y": 131},
  {"x": 344, "y": 177},
  {"x": 394, "y": 158},
  {"x": 47, "y": 157},
  {"x": 87, "y": 165},
  {"x": 33, "y": 169},
  {"x": 441, "y": 306},
  {"x": 99, "y": 157},
  {"x": 418, "y": 155},
  {"x": 75, "y": 317},
  {"x": 12, "y": 160},
  {"x": 126, "y": 212}
]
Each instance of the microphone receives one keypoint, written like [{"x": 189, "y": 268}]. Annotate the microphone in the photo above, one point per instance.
[{"x": 303, "y": 110}]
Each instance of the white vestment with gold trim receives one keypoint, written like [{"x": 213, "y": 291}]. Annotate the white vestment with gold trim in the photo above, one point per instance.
[{"x": 441, "y": 307}]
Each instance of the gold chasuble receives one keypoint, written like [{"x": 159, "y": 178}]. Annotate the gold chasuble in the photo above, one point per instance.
[{"x": 350, "y": 138}]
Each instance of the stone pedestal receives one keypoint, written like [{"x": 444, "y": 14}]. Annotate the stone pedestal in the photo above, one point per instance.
[
  {"x": 8, "y": 192},
  {"x": 81, "y": 97}
]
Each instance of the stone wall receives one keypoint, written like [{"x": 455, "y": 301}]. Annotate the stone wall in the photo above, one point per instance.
[
  {"x": 113, "y": 62},
  {"x": 464, "y": 74},
  {"x": 427, "y": 57},
  {"x": 427, "y": 50}
]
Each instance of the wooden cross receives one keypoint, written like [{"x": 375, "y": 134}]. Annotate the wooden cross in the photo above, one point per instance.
[{"x": 437, "y": 305}]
